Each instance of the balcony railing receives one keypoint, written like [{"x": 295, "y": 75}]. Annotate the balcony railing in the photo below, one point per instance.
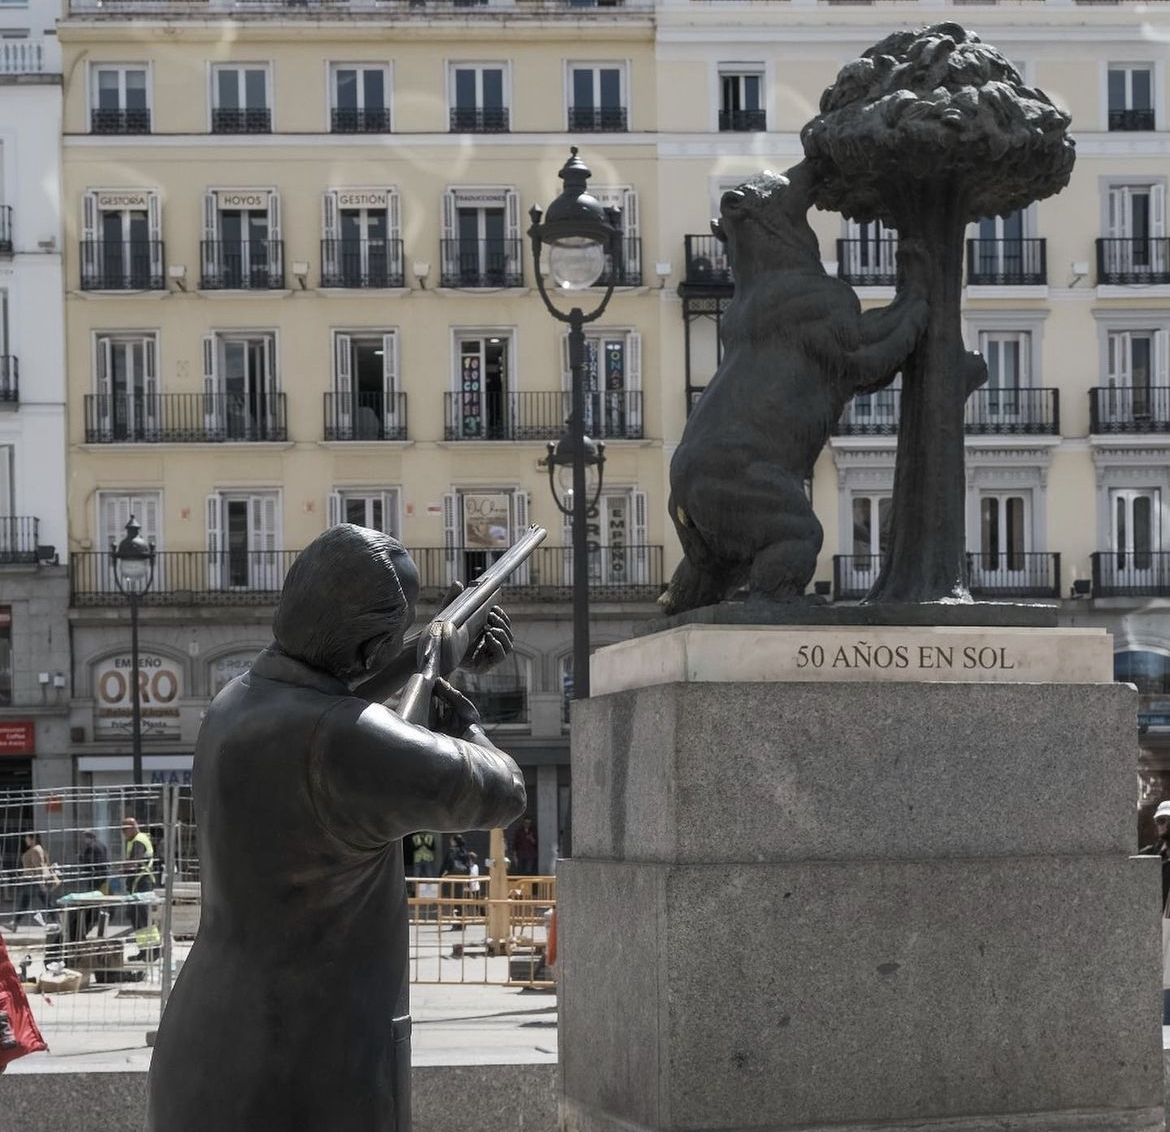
[
  {"x": 361, "y": 263},
  {"x": 465, "y": 120},
  {"x": 707, "y": 264},
  {"x": 9, "y": 380},
  {"x": 871, "y": 414},
  {"x": 1013, "y": 412},
  {"x": 184, "y": 418},
  {"x": 854, "y": 575},
  {"x": 1131, "y": 573},
  {"x": 626, "y": 268},
  {"x": 254, "y": 121},
  {"x": 481, "y": 263},
  {"x": 408, "y": 9},
  {"x": 119, "y": 121},
  {"x": 365, "y": 416},
  {"x": 597, "y": 119},
  {"x": 1124, "y": 409},
  {"x": 1004, "y": 263},
  {"x": 609, "y": 415},
  {"x": 19, "y": 538},
  {"x": 187, "y": 577},
  {"x": 867, "y": 263},
  {"x": 628, "y": 573},
  {"x": 22, "y": 57},
  {"x": 1123, "y": 260},
  {"x": 257, "y": 266},
  {"x": 1023, "y": 574},
  {"x": 5, "y": 229},
  {"x": 1131, "y": 120},
  {"x": 132, "y": 265},
  {"x": 743, "y": 121},
  {"x": 373, "y": 120}
]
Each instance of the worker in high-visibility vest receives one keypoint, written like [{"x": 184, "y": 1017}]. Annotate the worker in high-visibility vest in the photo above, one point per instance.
[
  {"x": 422, "y": 855},
  {"x": 138, "y": 868}
]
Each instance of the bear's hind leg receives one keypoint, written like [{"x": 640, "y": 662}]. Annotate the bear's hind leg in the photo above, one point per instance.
[
  {"x": 692, "y": 587},
  {"x": 790, "y": 540}
]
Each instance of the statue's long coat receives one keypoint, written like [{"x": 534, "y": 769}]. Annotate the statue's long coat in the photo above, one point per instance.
[{"x": 291, "y": 1013}]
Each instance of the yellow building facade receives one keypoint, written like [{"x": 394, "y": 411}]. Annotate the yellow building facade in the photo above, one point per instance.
[{"x": 299, "y": 290}]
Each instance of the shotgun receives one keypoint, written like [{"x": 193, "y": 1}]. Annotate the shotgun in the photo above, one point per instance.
[{"x": 444, "y": 641}]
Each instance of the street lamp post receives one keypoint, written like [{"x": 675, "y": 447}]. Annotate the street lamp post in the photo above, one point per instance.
[
  {"x": 578, "y": 233},
  {"x": 133, "y": 562}
]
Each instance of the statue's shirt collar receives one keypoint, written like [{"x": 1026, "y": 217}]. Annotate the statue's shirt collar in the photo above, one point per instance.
[{"x": 272, "y": 664}]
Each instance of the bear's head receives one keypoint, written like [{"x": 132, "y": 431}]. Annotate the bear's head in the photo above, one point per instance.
[{"x": 764, "y": 223}]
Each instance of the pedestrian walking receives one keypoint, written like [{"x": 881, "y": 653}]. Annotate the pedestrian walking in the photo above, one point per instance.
[
  {"x": 524, "y": 848},
  {"x": 93, "y": 875},
  {"x": 455, "y": 864},
  {"x": 36, "y": 881}
]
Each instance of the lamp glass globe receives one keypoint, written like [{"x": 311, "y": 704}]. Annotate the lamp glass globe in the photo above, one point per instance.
[{"x": 576, "y": 262}]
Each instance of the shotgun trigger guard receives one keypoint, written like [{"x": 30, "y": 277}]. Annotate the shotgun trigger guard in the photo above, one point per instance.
[{"x": 441, "y": 648}]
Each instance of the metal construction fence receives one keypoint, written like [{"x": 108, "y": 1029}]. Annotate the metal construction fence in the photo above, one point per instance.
[{"x": 98, "y": 938}]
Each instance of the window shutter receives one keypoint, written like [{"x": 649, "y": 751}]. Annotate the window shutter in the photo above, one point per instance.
[
  {"x": 390, "y": 523},
  {"x": 330, "y": 258},
  {"x": 512, "y": 232},
  {"x": 275, "y": 246},
  {"x": 450, "y": 257},
  {"x": 343, "y": 397},
  {"x": 631, "y": 244},
  {"x": 89, "y": 230},
  {"x": 390, "y": 379},
  {"x": 394, "y": 235},
  {"x": 211, "y": 257},
  {"x": 1158, "y": 210},
  {"x": 450, "y": 537},
  {"x": 211, "y": 398},
  {"x": 1024, "y": 373},
  {"x": 634, "y": 384},
  {"x": 214, "y": 526},
  {"x": 154, "y": 226},
  {"x": 523, "y": 574},
  {"x": 103, "y": 371},
  {"x": 336, "y": 514},
  {"x": 1161, "y": 361},
  {"x": 566, "y": 549},
  {"x": 641, "y": 556}
]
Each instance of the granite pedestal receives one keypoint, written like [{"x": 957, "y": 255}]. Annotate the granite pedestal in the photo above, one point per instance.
[{"x": 887, "y": 882}]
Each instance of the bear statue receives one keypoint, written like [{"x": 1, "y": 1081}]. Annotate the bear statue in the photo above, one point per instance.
[{"x": 796, "y": 347}]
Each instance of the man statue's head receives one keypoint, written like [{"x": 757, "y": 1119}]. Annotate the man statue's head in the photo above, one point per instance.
[{"x": 348, "y": 601}]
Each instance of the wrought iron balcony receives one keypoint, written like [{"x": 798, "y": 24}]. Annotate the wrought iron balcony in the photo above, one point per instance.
[
  {"x": 365, "y": 417},
  {"x": 481, "y": 263},
  {"x": 1013, "y": 412},
  {"x": 627, "y": 573},
  {"x": 597, "y": 119},
  {"x": 186, "y": 577},
  {"x": 743, "y": 121},
  {"x": 854, "y": 575},
  {"x": 609, "y": 415},
  {"x": 119, "y": 121},
  {"x": 707, "y": 265},
  {"x": 184, "y": 418},
  {"x": 1131, "y": 573},
  {"x": 257, "y": 266},
  {"x": 1123, "y": 260},
  {"x": 9, "y": 380},
  {"x": 1125, "y": 120},
  {"x": 19, "y": 538},
  {"x": 871, "y": 414},
  {"x": 257, "y": 120},
  {"x": 131, "y": 265},
  {"x": 626, "y": 268},
  {"x": 1129, "y": 409},
  {"x": 867, "y": 263},
  {"x": 5, "y": 229},
  {"x": 1026, "y": 574},
  {"x": 1002, "y": 263},
  {"x": 471, "y": 120},
  {"x": 372, "y": 120},
  {"x": 361, "y": 263}
]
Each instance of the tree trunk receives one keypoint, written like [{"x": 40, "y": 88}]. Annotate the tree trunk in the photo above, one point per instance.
[{"x": 926, "y": 557}]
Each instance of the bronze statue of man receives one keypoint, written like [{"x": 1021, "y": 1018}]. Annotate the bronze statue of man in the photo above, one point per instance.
[{"x": 292, "y": 1012}]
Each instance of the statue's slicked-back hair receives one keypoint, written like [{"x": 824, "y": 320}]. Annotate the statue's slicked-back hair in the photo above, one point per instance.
[{"x": 343, "y": 589}]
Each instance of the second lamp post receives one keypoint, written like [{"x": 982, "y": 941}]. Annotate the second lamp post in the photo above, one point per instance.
[
  {"x": 580, "y": 235},
  {"x": 133, "y": 562}
]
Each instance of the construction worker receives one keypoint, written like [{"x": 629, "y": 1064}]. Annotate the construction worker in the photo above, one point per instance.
[
  {"x": 423, "y": 854},
  {"x": 138, "y": 867}
]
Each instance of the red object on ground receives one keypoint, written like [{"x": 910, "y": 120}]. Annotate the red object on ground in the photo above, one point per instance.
[{"x": 18, "y": 1029}]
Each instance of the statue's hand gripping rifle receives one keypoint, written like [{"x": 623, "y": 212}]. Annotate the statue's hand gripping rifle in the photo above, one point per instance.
[{"x": 444, "y": 641}]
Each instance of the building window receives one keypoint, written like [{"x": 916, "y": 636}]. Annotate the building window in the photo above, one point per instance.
[
  {"x": 239, "y": 100},
  {"x": 121, "y": 100},
  {"x": 867, "y": 256},
  {"x": 613, "y": 383},
  {"x": 1136, "y": 393},
  {"x": 501, "y": 695},
  {"x": 114, "y": 509},
  {"x": 365, "y": 403},
  {"x": 1149, "y": 671},
  {"x": 121, "y": 245},
  {"x": 479, "y": 524},
  {"x": 1134, "y": 249},
  {"x": 482, "y": 407},
  {"x": 1000, "y": 254},
  {"x": 1135, "y": 517},
  {"x": 126, "y": 405},
  {"x": 361, "y": 99},
  {"x": 362, "y": 245},
  {"x": 597, "y": 97},
  {"x": 478, "y": 99},
  {"x": 616, "y": 533},
  {"x": 243, "y": 540},
  {"x": 626, "y": 267},
  {"x": 242, "y": 248},
  {"x": 376, "y": 508},
  {"x": 741, "y": 101},
  {"x": 241, "y": 396},
  {"x": 1131, "y": 96},
  {"x": 481, "y": 238}
]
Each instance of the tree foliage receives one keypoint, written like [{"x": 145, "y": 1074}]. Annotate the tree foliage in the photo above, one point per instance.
[{"x": 932, "y": 110}]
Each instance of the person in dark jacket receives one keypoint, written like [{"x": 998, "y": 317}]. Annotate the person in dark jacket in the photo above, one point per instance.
[{"x": 291, "y": 1013}]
